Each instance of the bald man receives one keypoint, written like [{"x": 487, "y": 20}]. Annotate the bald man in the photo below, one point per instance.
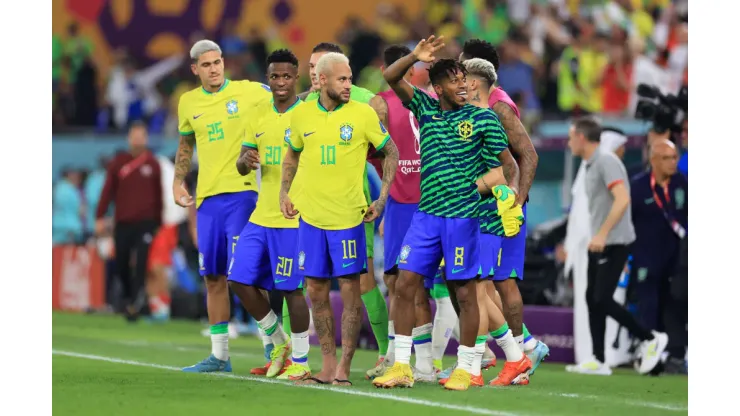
[{"x": 660, "y": 216}]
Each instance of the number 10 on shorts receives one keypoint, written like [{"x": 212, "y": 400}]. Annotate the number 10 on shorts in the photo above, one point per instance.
[{"x": 349, "y": 249}]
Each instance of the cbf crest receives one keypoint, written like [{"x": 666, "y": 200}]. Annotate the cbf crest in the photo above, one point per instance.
[
  {"x": 301, "y": 260},
  {"x": 345, "y": 133},
  {"x": 465, "y": 130},
  {"x": 405, "y": 251},
  {"x": 287, "y": 135},
  {"x": 232, "y": 107}
]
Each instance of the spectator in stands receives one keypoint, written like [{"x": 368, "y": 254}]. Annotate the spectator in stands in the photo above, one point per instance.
[
  {"x": 77, "y": 48},
  {"x": 616, "y": 81},
  {"x": 516, "y": 76},
  {"x": 660, "y": 216},
  {"x": 132, "y": 93},
  {"x": 581, "y": 65},
  {"x": 68, "y": 209}
]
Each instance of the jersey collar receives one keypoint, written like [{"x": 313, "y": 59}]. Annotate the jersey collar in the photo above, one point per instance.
[
  {"x": 272, "y": 101},
  {"x": 321, "y": 107},
  {"x": 205, "y": 91}
]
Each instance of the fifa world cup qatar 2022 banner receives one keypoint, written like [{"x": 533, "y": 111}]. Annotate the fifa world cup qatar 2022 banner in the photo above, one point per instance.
[{"x": 154, "y": 29}]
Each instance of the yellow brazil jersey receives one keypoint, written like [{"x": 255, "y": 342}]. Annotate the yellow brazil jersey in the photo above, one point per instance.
[
  {"x": 267, "y": 132},
  {"x": 333, "y": 146},
  {"x": 218, "y": 120}
]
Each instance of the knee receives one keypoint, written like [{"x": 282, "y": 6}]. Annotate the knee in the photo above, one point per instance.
[
  {"x": 466, "y": 292},
  {"x": 406, "y": 287},
  {"x": 216, "y": 284},
  {"x": 367, "y": 283},
  {"x": 316, "y": 289}
]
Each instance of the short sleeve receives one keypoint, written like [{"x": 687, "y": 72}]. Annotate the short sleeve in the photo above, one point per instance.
[
  {"x": 183, "y": 124},
  {"x": 612, "y": 170},
  {"x": 294, "y": 140},
  {"x": 250, "y": 138},
  {"x": 361, "y": 94},
  {"x": 375, "y": 131},
  {"x": 495, "y": 139},
  {"x": 420, "y": 103}
]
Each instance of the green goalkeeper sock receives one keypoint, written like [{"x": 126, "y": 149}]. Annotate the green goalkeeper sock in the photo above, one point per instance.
[
  {"x": 286, "y": 317},
  {"x": 377, "y": 311}
]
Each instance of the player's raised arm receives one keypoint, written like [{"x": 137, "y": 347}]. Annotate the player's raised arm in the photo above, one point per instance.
[{"x": 394, "y": 74}]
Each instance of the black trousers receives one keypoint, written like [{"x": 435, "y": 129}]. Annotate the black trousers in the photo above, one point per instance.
[
  {"x": 604, "y": 270},
  {"x": 132, "y": 241}
]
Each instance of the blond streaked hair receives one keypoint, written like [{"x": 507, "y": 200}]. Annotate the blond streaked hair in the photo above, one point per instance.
[
  {"x": 326, "y": 62},
  {"x": 483, "y": 69},
  {"x": 202, "y": 46}
]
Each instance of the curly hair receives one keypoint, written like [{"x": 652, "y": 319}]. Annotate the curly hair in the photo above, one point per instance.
[
  {"x": 442, "y": 69},
  {"x": 478, "y": 48},
  {"x": 282, "y": 56}
]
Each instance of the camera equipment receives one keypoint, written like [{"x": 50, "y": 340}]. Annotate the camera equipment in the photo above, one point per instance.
[{"x": 667, "y": 112}]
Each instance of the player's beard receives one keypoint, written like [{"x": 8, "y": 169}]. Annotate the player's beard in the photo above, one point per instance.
[{"x": 335, "y": 96}]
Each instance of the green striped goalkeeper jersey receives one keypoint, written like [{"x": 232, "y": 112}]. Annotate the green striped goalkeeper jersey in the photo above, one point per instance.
[{"x": 456, "y": 146}]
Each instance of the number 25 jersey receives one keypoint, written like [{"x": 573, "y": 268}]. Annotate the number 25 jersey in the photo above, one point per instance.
[{"x": 218, "y": 120}]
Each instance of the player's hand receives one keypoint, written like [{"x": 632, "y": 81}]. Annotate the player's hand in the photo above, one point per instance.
[
  {"x": 426, "y": 48},
  {"x": 505, "y": 197},
  {"x": 381, "y": 227},
  {"x": 286, "y": 207},
  {"x": 374, "y": 211},
  {"x": 182, "y": 196},
  {"x": 512, "y": 220},
  {"x": 251, "y": 159},
  {"x": 597, "y": 243}
]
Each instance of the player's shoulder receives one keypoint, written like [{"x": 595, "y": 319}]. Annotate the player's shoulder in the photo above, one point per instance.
[
  {"x": 361, "y": 109},
  {"x": 191, "y": 96},
  {"x": 247, "y": 85}
]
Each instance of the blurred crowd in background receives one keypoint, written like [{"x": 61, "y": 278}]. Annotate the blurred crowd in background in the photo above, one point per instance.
[{"x": 558, "y": 59}]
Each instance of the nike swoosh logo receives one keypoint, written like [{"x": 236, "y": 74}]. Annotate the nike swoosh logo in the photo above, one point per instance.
[
  {"x": 308, "y": 134},
  {"x": 347, "y": 264},
  {"x": 281, "y": 281},
  {"x": 455, "y": 271},
  {"x": 603, "y": 261},
  {"x": 196, "y": 117},
  {"x": 259, "y": 134},
  {"x": 437, "y": 118}
]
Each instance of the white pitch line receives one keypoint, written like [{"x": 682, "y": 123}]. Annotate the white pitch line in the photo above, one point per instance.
[
  {"x": 638, "y": 403},
  {"x": 183, "y": 348},
  {"x": 333, "y": 389}
]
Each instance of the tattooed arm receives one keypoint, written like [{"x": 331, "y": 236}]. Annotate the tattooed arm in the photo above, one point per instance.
[
  {"x": 522, "y": 146},
  {"x": 182, "y": 167},
  {"x": 390, "y": 163},
  {"x": 381, "y": 108},
  {"x": 511, "y": 170}
]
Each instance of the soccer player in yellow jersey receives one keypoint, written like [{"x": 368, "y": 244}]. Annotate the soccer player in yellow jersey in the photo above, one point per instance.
[
  {"x": 329, "y": 141},
  {"x": 213, "y": 117},
  {"x": 267, "y": 252}
]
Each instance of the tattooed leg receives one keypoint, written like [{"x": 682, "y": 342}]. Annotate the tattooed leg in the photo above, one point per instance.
[
  {"x": 323, "y": 321},
  {"x": 349, "y": 287}
]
